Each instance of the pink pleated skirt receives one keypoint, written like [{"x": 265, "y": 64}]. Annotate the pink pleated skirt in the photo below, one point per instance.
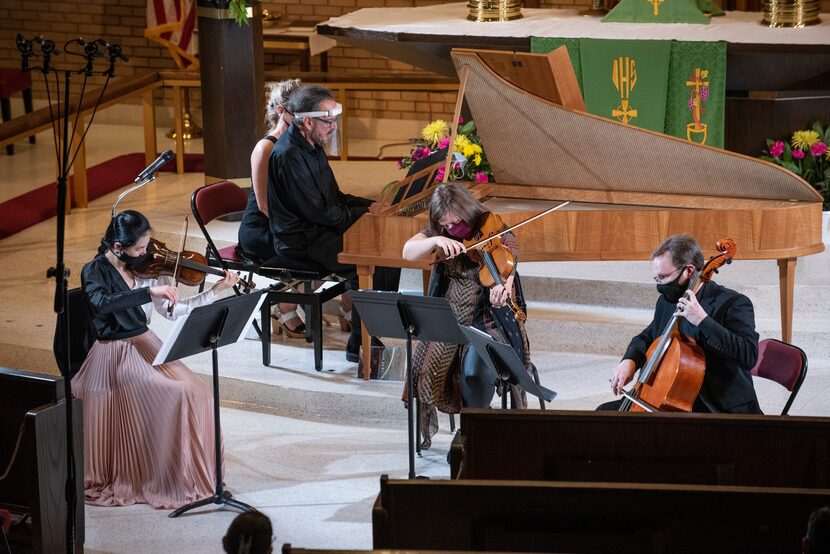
[{"x": 148, "y": 430}]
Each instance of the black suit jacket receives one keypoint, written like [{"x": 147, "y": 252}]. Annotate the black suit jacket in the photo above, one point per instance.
[{"x": 728, "y": 339}]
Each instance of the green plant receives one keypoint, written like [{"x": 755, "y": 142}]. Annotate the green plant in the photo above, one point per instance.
[
  {"x": 239, "y": 11},
  {"x": 806, "y": 154}
]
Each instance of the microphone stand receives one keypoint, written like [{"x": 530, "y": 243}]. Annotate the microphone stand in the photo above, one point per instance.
[{"x": 65, "y": 159}]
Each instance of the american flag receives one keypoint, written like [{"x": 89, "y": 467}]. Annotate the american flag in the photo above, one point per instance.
[{"x": 171, "y": 23}]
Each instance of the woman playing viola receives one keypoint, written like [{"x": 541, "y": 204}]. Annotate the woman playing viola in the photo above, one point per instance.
[
  {"x": 448, "y": 376},
  {"x": 148, "y": 430}
]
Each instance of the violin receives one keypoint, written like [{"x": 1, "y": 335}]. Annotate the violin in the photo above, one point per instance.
[
  {"x": 675, "y": 364},
  {"x": 496, "y": 261},
  {"x": 192, "y": 266}
]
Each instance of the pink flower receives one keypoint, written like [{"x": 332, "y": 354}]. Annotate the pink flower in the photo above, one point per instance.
[
  {"x": 461, "y": 120},
  {"x": 776, "y": 149},
  {"x": 481, "y": 177},
  {"x": 819, "y": 149},
  {"x": 798, "y": 154},
  {"x": 400, "y": 163},
  {"x": 456, "y": 165},
  {"x": 420, "y": 153},
  {"x": 443, "y": 143},
  {"x": 439, "y": 175}
]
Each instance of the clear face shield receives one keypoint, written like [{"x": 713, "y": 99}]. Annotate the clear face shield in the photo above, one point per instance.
[{"x": 329, "y": 121}]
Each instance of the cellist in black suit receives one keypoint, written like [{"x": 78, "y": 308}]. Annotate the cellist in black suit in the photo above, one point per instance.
[{"x": 720, "y": 320}]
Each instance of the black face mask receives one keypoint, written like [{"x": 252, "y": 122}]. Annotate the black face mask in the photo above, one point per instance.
[
  {"x": 133, "y": 262},
  {"x": 673, "y": 291}
]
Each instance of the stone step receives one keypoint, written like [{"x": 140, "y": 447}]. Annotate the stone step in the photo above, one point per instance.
[
  {"x": 810, "y": 300},
  {"x": 583, "y": 328}
]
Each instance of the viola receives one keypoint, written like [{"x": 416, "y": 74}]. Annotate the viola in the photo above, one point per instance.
[
  {"x": 189, "y": 267},
  {"x": 496, "y": 261},
  {"x": 675, "y": 364}
]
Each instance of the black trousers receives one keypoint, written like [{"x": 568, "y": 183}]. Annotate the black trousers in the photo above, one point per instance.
[{"x": 323, "y": 250}]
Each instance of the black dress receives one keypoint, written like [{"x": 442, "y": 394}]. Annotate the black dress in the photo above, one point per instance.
[{"x": 255, "y": 238}]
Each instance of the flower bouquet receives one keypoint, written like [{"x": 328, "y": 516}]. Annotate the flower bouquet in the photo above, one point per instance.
[
  {"x": 469, "y": 160},
  {"x": 806, "y": 155}
]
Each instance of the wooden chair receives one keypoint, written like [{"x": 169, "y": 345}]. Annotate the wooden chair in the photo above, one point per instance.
[
  {"x": 223, "y": 198},
  {"x": 783, "y": 363}
]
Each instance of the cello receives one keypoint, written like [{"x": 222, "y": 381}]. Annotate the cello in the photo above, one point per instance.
[{"x": 675, "y": 364}]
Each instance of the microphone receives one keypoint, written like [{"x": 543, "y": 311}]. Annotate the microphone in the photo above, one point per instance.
[
  {"x": 114, "y": 50},
  {"x": 153, "y": 168}
]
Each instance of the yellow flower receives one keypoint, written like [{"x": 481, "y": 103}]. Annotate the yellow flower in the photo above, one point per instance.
[
  {"x": 804, "y": 140},
  {"x": 435, "y": 131},
  {"x": 461, "y": 142},
  {"x": 471, "y": 149},
  {"x": 477, "y": 159}
]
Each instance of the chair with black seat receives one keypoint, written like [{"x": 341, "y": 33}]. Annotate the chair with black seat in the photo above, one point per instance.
[
  {"x": 783, "y": 363},
  {"x": 294, "y": 280}
]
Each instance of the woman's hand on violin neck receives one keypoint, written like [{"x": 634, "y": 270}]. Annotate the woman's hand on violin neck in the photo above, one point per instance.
[
  {"x": 230, "y": 279},
  {"x": 451, "y": 248},
  {"x": 501, "y": 294},
  {"x": 623, "y": 374},
  {"x": 165, "y": 292}
]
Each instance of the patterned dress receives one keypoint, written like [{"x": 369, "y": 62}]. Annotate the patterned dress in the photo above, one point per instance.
[{"x": 437, "y": 366}]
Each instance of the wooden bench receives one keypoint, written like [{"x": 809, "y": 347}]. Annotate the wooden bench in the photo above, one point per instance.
[
  {"x": 539, "y": 516},
  {"x": 32, "y": 410},
  {"x": 770, "y": 451}
]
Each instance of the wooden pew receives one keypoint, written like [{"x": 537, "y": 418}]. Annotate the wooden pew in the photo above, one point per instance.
[
  {"x": 537, "y": 516},
  {"x": 32, "y": 408},
  {"x": 288, "y": 549},
  {"x": 714, "y": 449}
]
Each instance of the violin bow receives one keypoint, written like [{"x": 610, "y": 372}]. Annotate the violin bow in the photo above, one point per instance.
[
  {"x": 178, "y": 259},
  {"x": 516, "y": 226}
]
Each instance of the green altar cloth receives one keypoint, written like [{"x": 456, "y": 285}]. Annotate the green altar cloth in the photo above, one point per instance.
[{"x": 673, "y": 87}]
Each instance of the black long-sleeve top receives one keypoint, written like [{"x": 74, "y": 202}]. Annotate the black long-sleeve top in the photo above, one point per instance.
[
  {"x": 119, "y": 312},
  {"x": 727, "y": 336},
  {"x": 303, "y": 197}
]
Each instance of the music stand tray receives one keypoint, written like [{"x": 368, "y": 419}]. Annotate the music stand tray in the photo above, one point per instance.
[
  {"x": 403, "y": 316},
  {"x": 505, "y": 363},
  {"x": 209, "y": 328}
]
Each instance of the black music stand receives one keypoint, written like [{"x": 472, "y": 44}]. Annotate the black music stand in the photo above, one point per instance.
[
  {"x": 503, "y": 361},
  {"x": 400, "y": 316},
  {"x": 208, "y": 328}
]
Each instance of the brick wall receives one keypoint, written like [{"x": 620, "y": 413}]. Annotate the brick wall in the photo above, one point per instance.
[{"x": 123, "y": 22}]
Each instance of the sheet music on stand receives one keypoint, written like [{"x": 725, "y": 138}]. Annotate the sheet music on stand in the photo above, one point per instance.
[{"x": 194, "y": 345}]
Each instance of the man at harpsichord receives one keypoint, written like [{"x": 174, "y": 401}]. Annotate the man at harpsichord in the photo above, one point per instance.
[
  {"x": 719, "y": 320},
  {"x": 307, "y": 212}
]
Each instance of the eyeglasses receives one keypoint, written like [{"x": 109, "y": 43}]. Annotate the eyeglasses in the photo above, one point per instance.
[
  {"x": 662, "y": 279},
  {"x": 329, "y": 122}
]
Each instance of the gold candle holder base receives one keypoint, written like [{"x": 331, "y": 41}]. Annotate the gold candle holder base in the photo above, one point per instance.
[
  {"x": 189, "y": 129},
  {"x": 494, "y": 10},
  {"x": 597, "y": 9},
  {"x": 790, "y": 13}
]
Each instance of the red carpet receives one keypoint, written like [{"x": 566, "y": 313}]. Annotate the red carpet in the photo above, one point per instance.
[{"x": 33, "y": 207}]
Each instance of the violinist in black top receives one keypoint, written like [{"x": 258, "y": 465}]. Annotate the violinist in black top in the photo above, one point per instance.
[
  {"x": 720, "y": 320},
  {"x": 448, "y": 376},
  {"x": 148, "y": 429}
]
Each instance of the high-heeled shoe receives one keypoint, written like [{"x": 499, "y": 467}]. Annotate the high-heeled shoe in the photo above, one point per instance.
[
  {"x": 345, "y": 319},
  {"x": 282, "y": 326}
]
